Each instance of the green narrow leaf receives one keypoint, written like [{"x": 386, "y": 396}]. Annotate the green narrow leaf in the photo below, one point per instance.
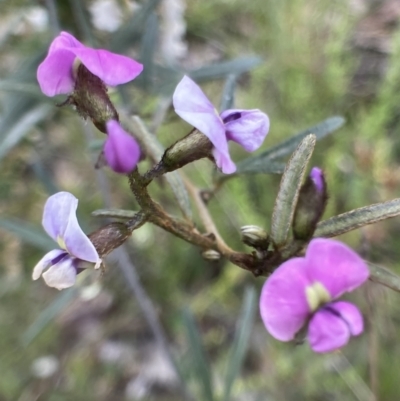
[
  {"x": 22, "y": 127},
  {"x": 357, "y": 218},
  {"x": 117, "y": 213},
  {"x": 198, "y": 355},
  {"x": 44, "y": 176},
  {"x": 384, "y": 276},
  {"x": 228, "y": 93},
  {"x": 22, "y": 87},
  {"x": 291, "y": 182},
  {"x": 131, "y": 32},
  {"x": 147, "y": 48},
  {"x": 28, "y": 233},
  {"x": 155, "y": 150},
  {"x": 48, "y": 314},
  {"x": 321, "y": 130},
  {"x": 241, "y": 341},
  {"x": 219, "y": 70}
]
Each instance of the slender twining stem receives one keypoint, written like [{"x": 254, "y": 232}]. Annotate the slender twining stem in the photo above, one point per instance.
[
  {"x": 204, "y": 214},
  {"x": 186, "y": 231}
]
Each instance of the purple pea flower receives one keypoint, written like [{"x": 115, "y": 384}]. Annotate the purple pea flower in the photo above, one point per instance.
[
  {"x": 59, "y": 267},
  {"x": 56, "y": 73},
  {"x": 246, "y": 127},
  {"x": 304, "y": 290},
  {"x": 120, "y": 150}
]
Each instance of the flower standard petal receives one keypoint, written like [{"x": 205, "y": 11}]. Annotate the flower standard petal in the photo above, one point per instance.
[
  {"x": 57, "y": 211},
  {"x": 113, "y": 69},
  {"x": 335, "y": 265},
  {"x": 61, "y": 275},
  {"x": 77, "y": 243},
  {"x": 193, "y": 106},
  {"x": 327, "y": 331},
  {"x": 55, "y": 73},
  {"x": 60, "y": 222},
  {"x": 246, "y": 127},
  {"x": 120, "y": 150},
  {"x": 283, "y": 304},
  {"x": 46, "y": 262}
]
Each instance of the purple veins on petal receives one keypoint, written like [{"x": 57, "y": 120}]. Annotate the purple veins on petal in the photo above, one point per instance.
[
  {"x": 61, "y": 275},
  {"x": 248, "y": 128},
  {"x": 121, "y": 151},
  {"x": 335, "y": 265},
  {"x": 333, "y": 325},
  {"x": 48, "y": 260},
  {"x": 327, "y": 331}
]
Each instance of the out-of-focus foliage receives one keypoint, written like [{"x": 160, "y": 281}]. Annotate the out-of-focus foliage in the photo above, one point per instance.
[{"x": 305, "y": 60}]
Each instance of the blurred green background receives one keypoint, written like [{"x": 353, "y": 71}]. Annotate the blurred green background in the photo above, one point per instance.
[{"x": 300, "y": 61}]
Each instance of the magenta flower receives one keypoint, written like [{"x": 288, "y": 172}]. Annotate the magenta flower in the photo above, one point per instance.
[
  {"x": 120, "y": 150},
  {"x": 304, "y": 290},
  {"x": 59, "y": 267},
  {"x": 56, "y": 73},
  {"x": 246, "y": 127}
]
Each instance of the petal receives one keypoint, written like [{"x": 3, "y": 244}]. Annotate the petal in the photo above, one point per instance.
[
  {"x": 60, "y": 222},
  {"x": 327, "y": 331},
  {"x": 335, "y": 265},
  {"x": 64, "y": 40},
  {"x": 61, "y": 275},
  {"x": 57, "y": 210},
  {"x": 111, "y": 68},
  {"x": 317, "y": 177},
  {"x": 224, "y": 161},
  {"x": 246, "y": 127},
  {"x": 193, "y": 106},
  {"x": 120, "y": 150},
  {"x": 45, "y": 262},
  {"x": 54, "y": 74},
  {"x": 351, "y": 315},
  {"x": 283, "y": 303}
]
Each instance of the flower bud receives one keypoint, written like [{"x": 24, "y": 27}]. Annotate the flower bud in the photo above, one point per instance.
[
  {"x": 192, "y": 147},
  {"x": 255, "y": 236},
  {"x": 210, "y": 254},
  {"x": 310, "y": 205}
]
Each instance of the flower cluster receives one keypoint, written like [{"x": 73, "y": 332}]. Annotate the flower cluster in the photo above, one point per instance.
[{"x": 302, "y": 293}]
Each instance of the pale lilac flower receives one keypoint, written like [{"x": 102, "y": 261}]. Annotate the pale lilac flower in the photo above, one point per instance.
[
  {"x": 59, "y": 267},
  {"x": 246, "y": 127},
  {"x": 304, "y": 290},
  {"x": 56, "y": 73},
  {"x": 120, "y": 150}
]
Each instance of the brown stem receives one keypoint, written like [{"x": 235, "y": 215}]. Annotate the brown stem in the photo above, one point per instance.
[{"x": 205, "y": 215}]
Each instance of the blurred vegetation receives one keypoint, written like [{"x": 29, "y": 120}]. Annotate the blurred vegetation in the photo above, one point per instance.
[{"x": 300, "y": 62}]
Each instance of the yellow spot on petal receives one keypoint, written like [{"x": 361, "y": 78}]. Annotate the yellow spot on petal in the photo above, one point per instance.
[
  {"x": 75, "y": 66},
  {"x": 61, "y": 243},
  {"x": 217, "y": 114},
  {"x": 317, "y": 295}
]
